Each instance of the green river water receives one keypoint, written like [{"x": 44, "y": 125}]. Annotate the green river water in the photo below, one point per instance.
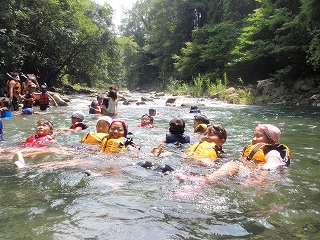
[{"x": 123, "y": 201}]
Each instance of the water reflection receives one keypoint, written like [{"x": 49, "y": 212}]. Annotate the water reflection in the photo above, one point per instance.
[{"x": 124, "y": 201}]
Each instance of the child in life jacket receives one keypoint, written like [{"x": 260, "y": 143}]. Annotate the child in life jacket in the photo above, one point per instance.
[
  {"x": 176, "y": 132},
  {"x": 102, "y": 131},
  {"x": 43, "y": 136},
  {"x": 264, "y": 153},
  {"x": 77, "y": 122},
  {"x": 210, "y": 147},
  {"x": 200, "y": 123},
  {"x": 45, "y": 97},
  {"x": 117, "y": 140},
  {"x": 28, "y": 99},
  {"x": 146, "y": 122}
]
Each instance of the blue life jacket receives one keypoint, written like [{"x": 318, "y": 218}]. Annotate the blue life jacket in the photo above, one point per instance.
[{"x": 181, "y": 138}]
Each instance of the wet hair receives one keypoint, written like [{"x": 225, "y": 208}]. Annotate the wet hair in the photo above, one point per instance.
[
  {"x": 201, "y": 118},
  {"x": 177, "y": 126},
  {"x": 146, "y": 115},
  {"x": 6, "y": 102},
  {"x": 94, "y": 103},
  {"x": 113, "y": 95},
  {"x": 220, "y": 129}
]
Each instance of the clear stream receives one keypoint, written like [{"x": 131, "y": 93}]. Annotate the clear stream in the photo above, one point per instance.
[{"x": 123, "y": 201}]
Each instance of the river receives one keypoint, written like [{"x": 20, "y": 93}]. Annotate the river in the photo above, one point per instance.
[{"x": 123, "y": 201}]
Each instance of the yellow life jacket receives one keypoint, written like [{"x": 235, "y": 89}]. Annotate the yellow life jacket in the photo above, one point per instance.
[
  {"x": 112, "y": 145},
  {"x": 94, "y": 137},
  {"x": 258, "y": 151},
  {"x": 202, "y": 150},
  {"x": 202, "y": 127},
  {"x": 16, "y": 87}
]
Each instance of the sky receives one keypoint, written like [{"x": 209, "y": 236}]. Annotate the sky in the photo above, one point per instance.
[{"x": 117, "y": 6}]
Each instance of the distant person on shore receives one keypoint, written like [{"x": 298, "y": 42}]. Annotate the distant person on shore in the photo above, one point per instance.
[
  {"x": 14, "y": 90},
  {"x": 45, "y": 97},
  {"x": 29, "y": 79},
  {"x": 76, "y": 121},
  {"x": 28, "y": 99}
]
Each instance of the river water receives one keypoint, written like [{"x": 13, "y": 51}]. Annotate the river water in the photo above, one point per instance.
[{"x": 123, "y": 201}]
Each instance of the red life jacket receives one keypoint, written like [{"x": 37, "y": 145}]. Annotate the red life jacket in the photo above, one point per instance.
[
  {"x": 35, "y": 141},
  {"x": 79, "y": 124},
  {"x": 44, "y": 99}
]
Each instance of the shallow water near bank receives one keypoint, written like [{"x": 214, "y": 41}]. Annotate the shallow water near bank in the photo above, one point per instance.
[{"x": 123, "y": 201}]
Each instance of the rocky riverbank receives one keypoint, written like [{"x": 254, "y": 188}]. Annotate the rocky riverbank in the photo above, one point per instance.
[{"x": 305, "y": 92}]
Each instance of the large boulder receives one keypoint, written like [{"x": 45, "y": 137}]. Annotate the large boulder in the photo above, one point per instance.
[{"x": 267, "y": 86}]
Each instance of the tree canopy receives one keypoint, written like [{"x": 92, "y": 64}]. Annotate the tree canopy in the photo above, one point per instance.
[{"x": 161, "y": 40}]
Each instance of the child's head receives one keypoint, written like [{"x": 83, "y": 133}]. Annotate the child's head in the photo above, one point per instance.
[
  {"x": 77, "y": 116},
  {"x": 5, "y": 102},
  {"x": 44, "y": 128},
  {"x": 32, "y": 87},
  {"x": 194, "y": 109},
  {"x": 146, "y": 119},
  {"x": 99, "y": 99},
  {"x": 118, "y": 128},
  {"x": 44, "y": 88},
  {"x": 103, "y": 124},
  {"x": 200, "y": 123},
  {"x": 94, "y": 103},
  {"x": 177, "y": 126},
  {"x": 266, "y": 133},
  {"x": 215, "y": 133}
]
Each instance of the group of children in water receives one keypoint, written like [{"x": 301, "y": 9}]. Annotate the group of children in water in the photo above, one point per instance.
[{"x": 111, "y": 135}]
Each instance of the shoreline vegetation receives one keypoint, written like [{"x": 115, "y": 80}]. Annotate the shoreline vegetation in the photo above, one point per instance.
[{"x": 265, "y": 92}]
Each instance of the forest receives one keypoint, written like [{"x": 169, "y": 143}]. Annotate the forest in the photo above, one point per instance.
[{"x": 160, "y": 42}]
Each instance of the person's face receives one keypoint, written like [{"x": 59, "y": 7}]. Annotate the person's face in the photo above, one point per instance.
[
  {"x": 259, "y": 136},
  {"x": 116, "y": 130},
  {"x": 16, "y": 78},
  {"x": 102, "y": 126},
  {"x": 74, "y": 120},
  {"x": 145, "y": 120},
  {"x": 212, "y": 135},
  {"x": 43, "y": 129}
]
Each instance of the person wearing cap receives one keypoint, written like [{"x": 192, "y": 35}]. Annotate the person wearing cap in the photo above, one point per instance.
[
  {"x": 264, "y": 153},
  {"x": 102, "y": 131},
  {"x": 77, "y": 122},
  {"x": 14, "y": 90},
  {"x": 117, "y": 140},
  {"x": 45, "y": 97},
  {"x": 200, "y": 123}
]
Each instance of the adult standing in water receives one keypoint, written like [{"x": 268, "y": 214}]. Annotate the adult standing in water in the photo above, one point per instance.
[{"x": 14, "y": 90}]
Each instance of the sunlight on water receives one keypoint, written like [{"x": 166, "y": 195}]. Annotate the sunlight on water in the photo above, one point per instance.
[{"x": 124, "y": 201}]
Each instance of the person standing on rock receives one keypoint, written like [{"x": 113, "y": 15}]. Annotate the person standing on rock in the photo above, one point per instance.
[{"x": 14, "y": 90}]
